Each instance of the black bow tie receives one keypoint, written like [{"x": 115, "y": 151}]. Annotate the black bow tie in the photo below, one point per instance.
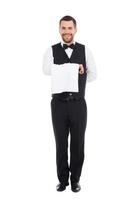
[{"x": 65, "y": 46}]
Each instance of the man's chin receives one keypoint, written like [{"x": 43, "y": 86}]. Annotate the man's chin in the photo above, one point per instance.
[{"x": 68, "y": 41}]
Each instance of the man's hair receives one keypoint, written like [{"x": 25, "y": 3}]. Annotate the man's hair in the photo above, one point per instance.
[{"x": 68, "y": 18}]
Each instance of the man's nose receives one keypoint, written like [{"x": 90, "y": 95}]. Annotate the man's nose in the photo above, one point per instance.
[{"x": 67, "y": 31}]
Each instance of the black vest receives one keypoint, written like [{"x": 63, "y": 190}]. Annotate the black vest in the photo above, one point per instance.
[{"x": 78, "y": 56}]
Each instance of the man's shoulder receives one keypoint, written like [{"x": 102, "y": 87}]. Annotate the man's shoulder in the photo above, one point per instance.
[
  {"x": 56, "y": 45},
  {"x": 80, "y": 45}
]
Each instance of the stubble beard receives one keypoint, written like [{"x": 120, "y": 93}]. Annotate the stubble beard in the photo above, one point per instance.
[{"x": 67, "y": 39}]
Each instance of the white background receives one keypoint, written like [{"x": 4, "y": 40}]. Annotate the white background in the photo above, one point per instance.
[{"x": 27, "y": 145}]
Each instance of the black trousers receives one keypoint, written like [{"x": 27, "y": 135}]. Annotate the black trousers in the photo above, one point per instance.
[{"x": 69, "y": 117}]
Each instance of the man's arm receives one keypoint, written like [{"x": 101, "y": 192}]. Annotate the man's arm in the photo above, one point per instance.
[
  {"x": 47, "y": 61},
  {"x": 90, "y": 65}
]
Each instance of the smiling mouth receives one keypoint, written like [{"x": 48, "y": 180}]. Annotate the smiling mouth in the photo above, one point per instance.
[{"x": 67, "y": 35}]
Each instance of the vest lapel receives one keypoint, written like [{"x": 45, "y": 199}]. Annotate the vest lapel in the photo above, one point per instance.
[
  {"x": 74, "y": 50},
  {"x": 64, "y": 52}
]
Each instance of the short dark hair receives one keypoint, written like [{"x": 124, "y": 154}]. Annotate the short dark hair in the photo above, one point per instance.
[{"x": 68, "y": 18}]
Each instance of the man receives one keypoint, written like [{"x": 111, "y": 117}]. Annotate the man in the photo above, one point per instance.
[{"x": 68, "y": 105}]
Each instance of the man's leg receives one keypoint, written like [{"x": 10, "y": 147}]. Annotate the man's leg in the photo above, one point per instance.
[
  {"x": 61, "y": 131},
  {"x": 78, "y": 116}
]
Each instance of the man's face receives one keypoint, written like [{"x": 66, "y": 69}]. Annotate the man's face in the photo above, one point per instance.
[{"x": 67, "y": 31}]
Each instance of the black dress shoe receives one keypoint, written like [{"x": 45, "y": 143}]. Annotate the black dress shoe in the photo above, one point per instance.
[
  {"x": 75, "y": 187},
  {"x": 61, "y": 187}
]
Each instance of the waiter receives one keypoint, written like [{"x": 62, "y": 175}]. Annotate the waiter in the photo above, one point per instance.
[{"x": 68, "y": 106}]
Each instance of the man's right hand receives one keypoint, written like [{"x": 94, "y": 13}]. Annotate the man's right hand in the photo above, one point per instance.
[{"x": 81, "y": 69}]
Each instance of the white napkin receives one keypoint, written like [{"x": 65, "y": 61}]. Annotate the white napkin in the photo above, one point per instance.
[{"x": 64, "y": 78}]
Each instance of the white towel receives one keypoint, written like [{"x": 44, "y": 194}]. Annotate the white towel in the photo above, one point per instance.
[{"x": 64, "y": 78}]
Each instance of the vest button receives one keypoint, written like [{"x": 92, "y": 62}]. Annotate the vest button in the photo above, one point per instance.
[{"x": 70, "y": 94}]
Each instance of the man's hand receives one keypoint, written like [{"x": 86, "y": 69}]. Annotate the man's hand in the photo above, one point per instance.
[{"x": 81, "y": 69}]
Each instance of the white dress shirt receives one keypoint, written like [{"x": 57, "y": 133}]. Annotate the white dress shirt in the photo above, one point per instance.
[{"x": 48, "y": 62}]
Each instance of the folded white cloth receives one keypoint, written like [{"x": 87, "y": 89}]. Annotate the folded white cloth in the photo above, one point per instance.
[{"x": 64, "y": 78}]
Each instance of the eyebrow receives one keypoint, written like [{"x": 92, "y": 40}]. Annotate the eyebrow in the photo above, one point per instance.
[{"x": 66, "y": 27}]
